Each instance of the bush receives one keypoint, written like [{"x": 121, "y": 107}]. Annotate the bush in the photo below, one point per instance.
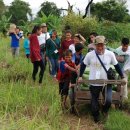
[
  {"x": 79, "y": 25},
  {"x": 113, "y": 31}
]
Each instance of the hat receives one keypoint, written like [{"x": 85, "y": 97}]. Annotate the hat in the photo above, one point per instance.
[
  {"x": 100, "y": 39},
  {"x": 43, "y": 25}
]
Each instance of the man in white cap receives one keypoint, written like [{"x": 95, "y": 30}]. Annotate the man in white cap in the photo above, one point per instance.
[
  {"x": 42, "y": 41},
  {"x": 98, "y": 72}
]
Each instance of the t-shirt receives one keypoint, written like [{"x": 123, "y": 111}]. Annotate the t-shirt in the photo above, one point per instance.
[
  {"x": 34, "y": 48},
  {"x": 65, "y": 45},
  {"x": 65, "y": 72},
  {"x": 43, "y": 37},
  {"x": 14, "y": 39},
  {"x": 72, "y": 48},
  {"x": 52, "y": 49},
  {"x": 77, "y": 59},
  {"x": 120, "y": 49},
  {"x": 26, "y": 46},
  {"x": 96, "y": 69}
]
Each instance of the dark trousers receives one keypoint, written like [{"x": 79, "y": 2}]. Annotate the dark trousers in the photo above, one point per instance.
[
  {"x": 107, "y": 94},
  {"x": 64, "y": 88},
  {"x": 43, "y": 55},
  {"x": 36, "y": 66}
]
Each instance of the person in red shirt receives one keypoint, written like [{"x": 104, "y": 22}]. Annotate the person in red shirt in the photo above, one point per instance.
[
  {"x": 35, "y": 56},
  {"x": 66, "y": 43},
  {"x": 66, "y": 67}
]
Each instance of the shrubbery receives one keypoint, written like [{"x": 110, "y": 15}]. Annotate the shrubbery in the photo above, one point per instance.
[
  {"x": 111, "y": 30},
  {"x": 80, "y": 25}
]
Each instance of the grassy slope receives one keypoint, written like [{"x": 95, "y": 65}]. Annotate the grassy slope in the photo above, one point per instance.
[{"x": 25, "y": 106}]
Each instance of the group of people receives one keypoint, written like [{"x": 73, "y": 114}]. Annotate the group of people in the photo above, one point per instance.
[{"x": 68, "y": 63}]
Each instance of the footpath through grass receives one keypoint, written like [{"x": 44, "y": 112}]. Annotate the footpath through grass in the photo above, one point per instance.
[{"x": 26, "y": 106}]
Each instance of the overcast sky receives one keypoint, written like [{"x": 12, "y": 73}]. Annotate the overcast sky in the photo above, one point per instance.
[{"x": 81, "y": 4}]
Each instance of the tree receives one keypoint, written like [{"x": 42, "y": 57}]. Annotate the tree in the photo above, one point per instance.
[
  {"x": 19, "y": 11},
  {"x": 113, "y": 10},
  {"x": 4, "y": 24},
  {"x": 87, "y": 7},
  {"x": 49, "y": 8},
  {"x": 2, "y": 8}
]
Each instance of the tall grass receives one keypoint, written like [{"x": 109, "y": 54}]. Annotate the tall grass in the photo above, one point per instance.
[{"x": 25, "y": 105}]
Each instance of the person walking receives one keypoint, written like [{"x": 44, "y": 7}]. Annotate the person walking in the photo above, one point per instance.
[
  {"x": 35, "y": 54},
  {"x": 97, "y": 71}
]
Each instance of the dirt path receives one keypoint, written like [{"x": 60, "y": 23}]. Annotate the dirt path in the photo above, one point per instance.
[{"x": 82, "y": 123}]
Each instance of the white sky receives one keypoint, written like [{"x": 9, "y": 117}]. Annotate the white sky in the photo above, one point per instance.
[{"x": 81, "y": 4}]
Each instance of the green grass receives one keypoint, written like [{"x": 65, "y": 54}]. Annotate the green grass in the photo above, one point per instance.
[
  {"x": 26, "y": 106},
  {"x": 117, "y": 121}
]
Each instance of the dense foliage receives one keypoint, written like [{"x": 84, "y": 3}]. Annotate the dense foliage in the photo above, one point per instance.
[
  {"x": 49, "y": 8},
  {"x": 112, "y": 10}
]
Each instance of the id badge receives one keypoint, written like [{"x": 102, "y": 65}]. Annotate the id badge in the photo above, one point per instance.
[
  {"x": 56, "y": 51},
  {"x": 98, "y": 73}
]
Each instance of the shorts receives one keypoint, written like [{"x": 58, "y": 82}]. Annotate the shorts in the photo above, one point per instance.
[
  {"x": 15, "y": 51},
  {"x": 64, "y": 88},
  {"x": 73, "y": 77},
  {"x": 28, "y": 55}
]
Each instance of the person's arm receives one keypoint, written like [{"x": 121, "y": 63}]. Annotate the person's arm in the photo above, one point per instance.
[
  {"x": 82, "y": 69},
  {"x": 82, "y": 38},
  {"x": 119, "y": 71},
  {"x": 116, "y": 65},
  {"x": 18, "y": 37},
  {"x": 70, "y": 68}
]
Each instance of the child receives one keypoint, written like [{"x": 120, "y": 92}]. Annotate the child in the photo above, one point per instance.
[
  {"x": 65, "y": 69},
  {"x": 26, "y": 45},
  {"x": 77, "y": 59},
  {"x": 78, "y": 38}
]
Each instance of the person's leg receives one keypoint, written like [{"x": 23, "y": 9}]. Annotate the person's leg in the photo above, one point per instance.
[
  {"x": 42, "y": 55},
  {"x": 56, "y": 66},
  {"x": 61, "y": 91},
  {"x": 72, "y": 99},
  {"x": 27, "y": 56},
  {"x": 13, "y": 51},
  {"x": 65, "y": 92},
  {"x": 17, "y": 51},
  {"x": 71, "y": 91},
  {"x": 125, "y": 90},
  {"x": 42, "y": 67},
  {"x": 95, "y": 91},
  {"x": 35, "y": 70},
  {"x": 53, "y": 66},
  {"x": 107, "y": 93}
]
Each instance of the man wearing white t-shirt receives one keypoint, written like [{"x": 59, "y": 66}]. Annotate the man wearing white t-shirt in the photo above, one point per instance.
[
  {"x": 125, "y": 49},
  {"x": 97, "y": 72},
  {"x": 42, "y": 41}
]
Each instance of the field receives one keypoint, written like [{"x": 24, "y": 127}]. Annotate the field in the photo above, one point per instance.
[{"x": 28, "y": 106}]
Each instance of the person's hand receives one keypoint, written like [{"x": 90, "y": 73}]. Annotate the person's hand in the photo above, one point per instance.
[
  {"x": 47, "y": 58},
  {"x": 80, "y": 79},
  {"x": 76, "y": 71},
  {"x": 124, "y": 81},
  {"x": 38, "y": 59},
  {"x": 78, "y": 67}
]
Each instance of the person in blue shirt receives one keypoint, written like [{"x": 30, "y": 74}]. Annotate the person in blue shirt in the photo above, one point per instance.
[
  {"x": 77, "y": 59},
  {"x": 15, "y": 37},
  {"x": 26, "y": 45}
]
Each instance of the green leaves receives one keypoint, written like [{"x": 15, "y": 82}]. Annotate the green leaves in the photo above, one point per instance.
[{"x": 113, "y": 10}]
